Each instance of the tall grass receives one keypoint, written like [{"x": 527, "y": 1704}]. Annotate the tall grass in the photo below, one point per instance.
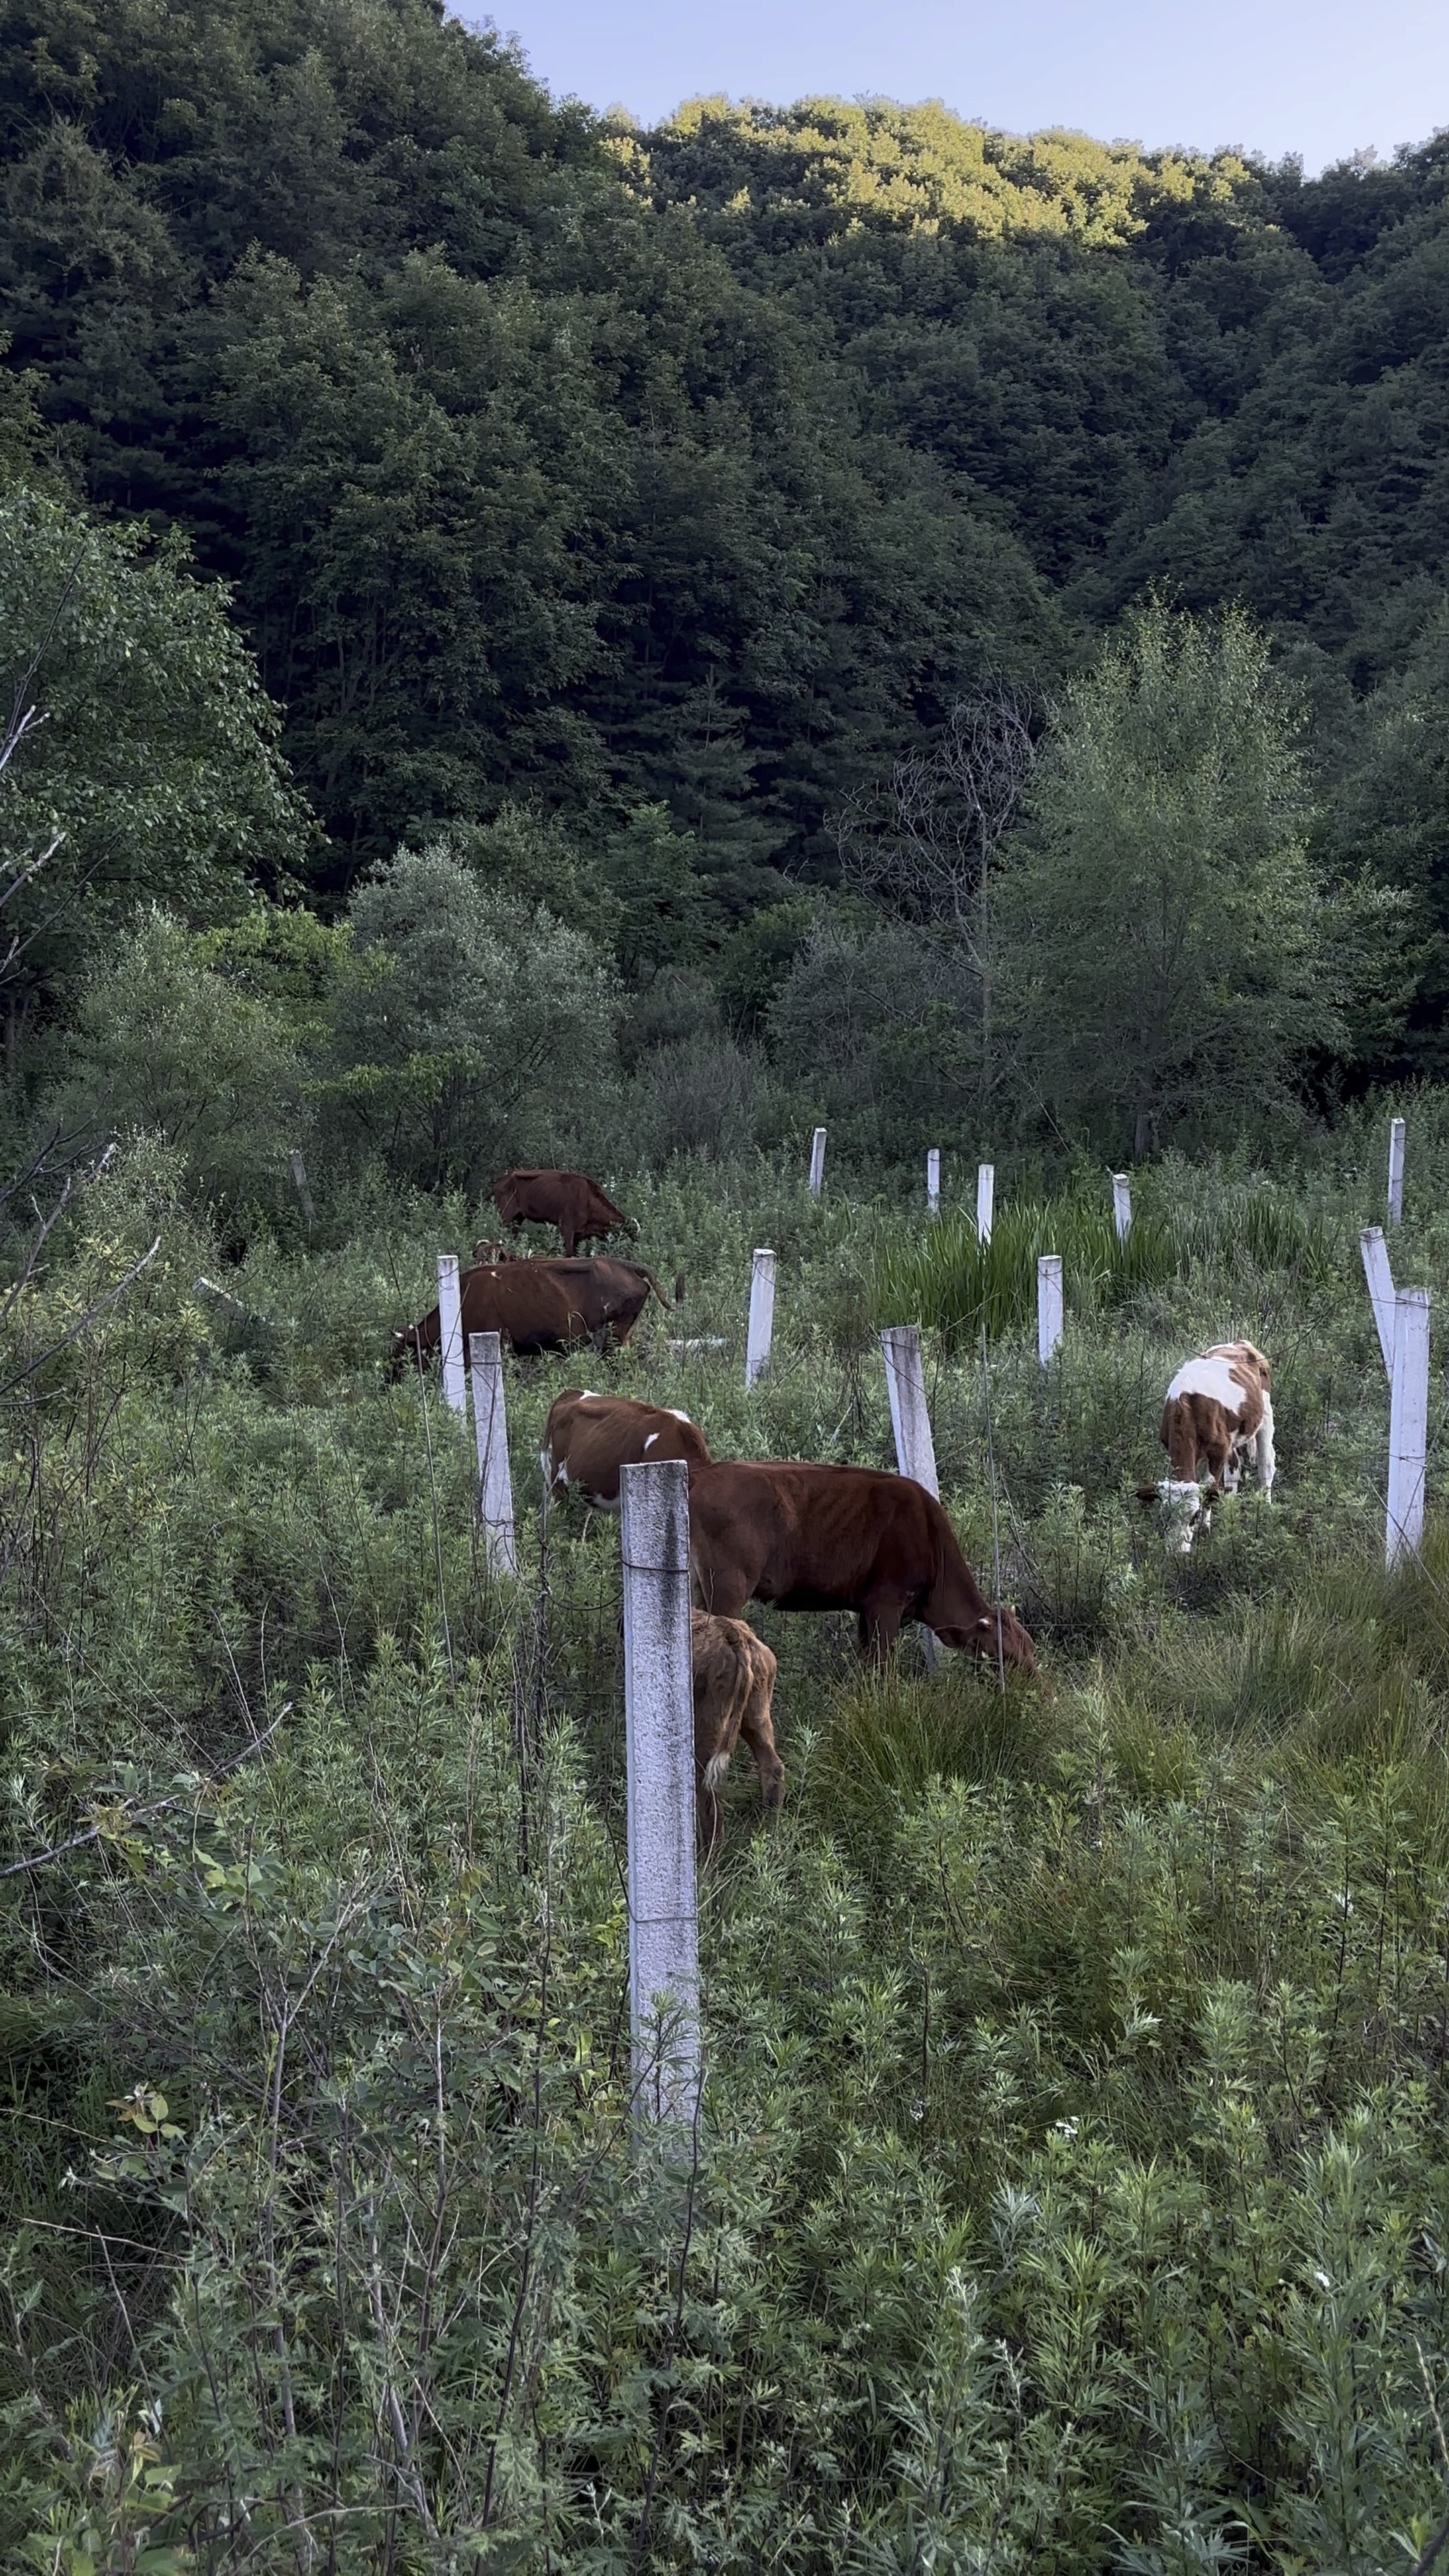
[{"x": 946, "y": 1277}]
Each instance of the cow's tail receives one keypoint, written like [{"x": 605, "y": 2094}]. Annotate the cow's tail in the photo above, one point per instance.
[{"x": 654, "y": 1284}]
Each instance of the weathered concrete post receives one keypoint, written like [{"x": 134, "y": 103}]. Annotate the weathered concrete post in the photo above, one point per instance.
[
  {"x": 1396, "y": 1171},
  {"x": 933, "y": 1181},
  {"x": 817, "y": 1162},
  {"x": 1048, "y": 1305},
  {"x": 1381, "y": 1289},
  {"x": 495, "y": 1484},
  {"x": 911, "y": 1423},
  {"x": 659, "y": 1736},
  {"x": 762, "y": 1313},
  {"x": 298, "y": 1170},
  {"x": 450, "y": 1333},
  {"x": 985, "y": 1200},
  {"x": 1122, "y": 1205},
  {"x": 1408, "y": 1423}
]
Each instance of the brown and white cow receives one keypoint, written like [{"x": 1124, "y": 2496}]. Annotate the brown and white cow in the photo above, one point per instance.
[
  {"x": 1218, "y": 1408},
  {"x": 734, "y": 1681},
  {"x": 841, "y": 1538},
  {"x": 569, "y": 1200},
  {"x": 539, "y": 1306},
  {"x": 588, "y": 1438}
]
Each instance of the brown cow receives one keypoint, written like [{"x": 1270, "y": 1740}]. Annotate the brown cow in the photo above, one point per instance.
[
  {"x": 841, "y": 1538},
  {"x": 734, "y": 1680},
  {"x": 540, "y": 1306},
  {"x": 1218, "y": 1407},
  {"x": 569, "y": 1200},
  {"x": 588, "y": 1438}
]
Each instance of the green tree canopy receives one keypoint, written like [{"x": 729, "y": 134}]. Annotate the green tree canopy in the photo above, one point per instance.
[
  {"x": 150, "y": 769},
  {"x": 467, "y": 1029},
  {"x": 1169, "y": 949}
]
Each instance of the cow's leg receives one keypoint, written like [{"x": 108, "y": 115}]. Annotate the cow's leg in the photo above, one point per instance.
[
  {"x": 881, "y": 1613},
  {"x": 1264, "y": 1456},
  {"x": 757, "y": 1728},
  {"x": 569, "y": 1240}
]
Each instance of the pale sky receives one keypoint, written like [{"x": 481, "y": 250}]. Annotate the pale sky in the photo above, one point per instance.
[{"x": 1319, "y": 77}]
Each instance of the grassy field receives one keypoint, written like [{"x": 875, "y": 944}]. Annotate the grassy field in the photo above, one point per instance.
[{"x": 1071, "y": 2187}]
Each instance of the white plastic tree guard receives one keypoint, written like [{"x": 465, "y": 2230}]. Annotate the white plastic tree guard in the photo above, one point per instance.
[
  {"x": 911, "y": 1423},
  {"x": 1408, "y": 1424},
  {"x": 1048, "y": 1305},
  {"x": 1381, "y": 1289},
  {"x": 1396, "y": 1171},
  {"x": 933, "y": 1181},
  {"x": 1122, "y": 1205},
  {"x": 659, "y": 1737},
  {"x": 450, "y": 1333},
  {"x": 985, "y": 1200},
  {"x": 762, "y": 1313},
  {"x": 817, "y": 1162},
  {"x": 298, "y": 1170},
  {"x": 490, "y": 1422}
]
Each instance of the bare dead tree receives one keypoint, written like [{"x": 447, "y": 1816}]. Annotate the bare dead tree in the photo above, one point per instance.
[{"x": 927, "y": 846}]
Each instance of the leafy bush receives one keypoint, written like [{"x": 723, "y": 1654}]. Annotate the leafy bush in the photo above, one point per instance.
[{"x": 467, "y": 1030}]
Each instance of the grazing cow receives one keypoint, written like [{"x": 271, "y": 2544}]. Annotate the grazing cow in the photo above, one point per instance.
[
  {"x": 1218, "y": 1407},
  {"x": 569, "y": 1200},
  {"x": 588, "y": 1438},
  {"x": 734, "y": 1679},
  {"x": 841, "y": 1538},
  {"x": 540, "y": 1306}
]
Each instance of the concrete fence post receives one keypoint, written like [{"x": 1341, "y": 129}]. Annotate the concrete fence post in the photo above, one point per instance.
[
  {"x": 817, "y": 1162},
  {"x": 1381, "y": 1289},
  {"x": 1408, "y": 1424},
  {"x": 1396, "y": 1171},
  {"x": 933, "y": 1181},
  {"x": 1122, "y": 1205},
  {"x": 762, "y": 1314},
  {"x": 490, "y": 1422},
  {"x": 1048, "y": 1305},
  {"x": 450, "y": 1333},
  {"x": 659, "y": 1738},
  {"x": 985, "y": 1200},
  {"x": 298, "y": 1170},
  {"x": 911, "y": 1423}
]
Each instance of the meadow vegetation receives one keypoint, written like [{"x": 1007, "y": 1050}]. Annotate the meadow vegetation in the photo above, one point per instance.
[{"x": 1069, "y": 2187}]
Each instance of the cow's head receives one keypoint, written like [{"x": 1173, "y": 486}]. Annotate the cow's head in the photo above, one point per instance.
[
  {"x": 1183, "y": 1502},
  {"x": 409, "y": 1350},
  {"x": 997, "y": 1633}
]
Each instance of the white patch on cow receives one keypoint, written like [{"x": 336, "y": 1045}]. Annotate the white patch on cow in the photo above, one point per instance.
[
  {"x": 649, "y": 1442},
  {"x": 678, "y": 1416},
  {"x": 1210, "y": 1376},
  {"x": 603, "y": 1502},
  {"x": 1181, "y": 1503},
  {"x": 589, "y": 1397},
  {"x": 561, "y": 1472},
  {"x": 716, "y": 1770},
  {"x": 1265, "y": 1456}
]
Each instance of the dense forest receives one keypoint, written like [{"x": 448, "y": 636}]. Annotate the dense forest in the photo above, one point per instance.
[{"x": 677, "y": 522}]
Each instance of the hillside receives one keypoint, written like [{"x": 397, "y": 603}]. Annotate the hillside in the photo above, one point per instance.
[{"x": 709, "y": 464}]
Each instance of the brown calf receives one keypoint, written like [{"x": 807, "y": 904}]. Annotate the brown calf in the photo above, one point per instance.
[
  {"x": 569, "y": 1200},
  {"x": 841, "y": 1538},
  {"x": 589, "y": 1437},
  {"x": 734, "y": 1679}
]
